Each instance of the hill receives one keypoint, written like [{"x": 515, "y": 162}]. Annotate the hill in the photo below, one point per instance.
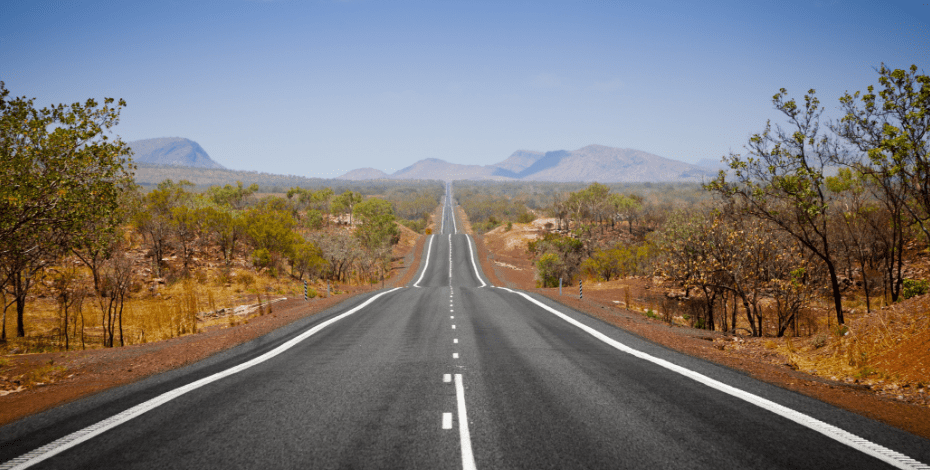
[
  {"x": 173, "y": 151},
  {"x": 591, "y": 163},
  {"x": 364, "y": 174},
  {"x": 608, "y": 164}
]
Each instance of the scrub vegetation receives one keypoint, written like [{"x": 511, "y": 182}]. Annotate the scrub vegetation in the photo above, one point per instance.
[{"x": 89, "y": 259}]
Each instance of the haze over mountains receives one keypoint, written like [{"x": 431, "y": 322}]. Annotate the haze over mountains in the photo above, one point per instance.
[
  {"x": 172, "y": 151},
  {"x": 591, "y": 163}
]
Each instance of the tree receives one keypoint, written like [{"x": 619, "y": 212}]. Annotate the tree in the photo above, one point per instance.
[
  {"x": 234, "y": 197},
  {"x": 893, "y": 128},
  {"x": 377, "y": 228},
  {"x": 272, "y": 229},
  {"x": 58, "y": 172},
  {"x": 155, "y": 219},
  {"x": 781, "y": 182},
  {"x": 306, "y": 259},
  {"x": 626, "y": 208},
  {"x": 227, "y": 228},
  {"x": 345, "y": 202}
]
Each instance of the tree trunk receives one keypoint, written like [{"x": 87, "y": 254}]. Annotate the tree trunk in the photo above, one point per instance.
[
  {"x": 837, "y": 297},
  {"x": 20, "y": 309}
]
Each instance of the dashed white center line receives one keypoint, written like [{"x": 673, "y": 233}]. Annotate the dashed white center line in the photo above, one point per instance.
[
  {"x": 446, "y": 378},
  {"x": 453, "y": 327},
  {"x": 455, "y": 340},
  {"x": 455, "y": 355},
  {"x": 452, "y": 317},
  {"x": 447, "y": 420}
]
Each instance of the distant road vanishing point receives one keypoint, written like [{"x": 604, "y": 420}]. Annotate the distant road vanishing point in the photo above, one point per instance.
[{"x": 451, "y": 372}]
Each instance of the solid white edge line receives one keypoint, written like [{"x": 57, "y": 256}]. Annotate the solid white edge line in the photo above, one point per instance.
[
  {"x": 429, "y": 248},
  {"x": 442, "y": 225},
  {"x": 468, "y": 459},
  {"x": 470, "y": 251},
  {"x": 894, "y": 458},
  {"x": 447, "y": 420},
  {"x": 60, "y": 445}
]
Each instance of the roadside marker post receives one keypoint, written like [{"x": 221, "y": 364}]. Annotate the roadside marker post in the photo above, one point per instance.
[
  {"x": 305, "y": 291},
  {"x": 580, "y": 292},
  {"x": 560, "y": 287}
]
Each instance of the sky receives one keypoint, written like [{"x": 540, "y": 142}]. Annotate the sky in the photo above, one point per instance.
[{"x": 319, "y": 88}]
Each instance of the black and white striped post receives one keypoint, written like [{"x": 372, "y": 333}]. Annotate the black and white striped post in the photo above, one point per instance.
[
  {"x": 305, "y": 291},
  {"x": 580, "y": 292}
]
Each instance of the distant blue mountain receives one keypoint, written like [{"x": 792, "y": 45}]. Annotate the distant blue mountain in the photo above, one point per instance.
[{"x": 174, "y": 151}]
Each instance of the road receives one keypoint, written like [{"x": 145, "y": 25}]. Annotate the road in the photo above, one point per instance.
[{"x": 450, "y": 372}]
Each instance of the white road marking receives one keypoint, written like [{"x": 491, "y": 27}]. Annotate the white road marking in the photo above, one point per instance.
[
  {"x": 453, "y": 327},
  {"x": 452, "y": 317},
  {"x": 455, "y": 355},
  {"x": 58, "y": 446},
  {"x": 468, "y": 459},
  {"x": 450, "y": 260},
  {"x": 447, "y": 420},
  {"x": 470, "y": 241},
  {"x": 455, "y": 340},
  {"x": 429, "y": 248},
  {"x": 442, "y": 226},
  {"x": 894, "y": 458},
  {"x": 447, "y": 378}
]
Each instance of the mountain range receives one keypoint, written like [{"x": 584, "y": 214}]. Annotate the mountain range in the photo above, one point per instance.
[
  {"x": 173, "y": 151},
  {"x": 591, "y": 163}
]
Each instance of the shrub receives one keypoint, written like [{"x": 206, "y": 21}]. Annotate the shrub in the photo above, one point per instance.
[
  {"x": 261, "y": 258},
  {"x": 914, "y": 287},
  {"x": 526, "y": 218}
]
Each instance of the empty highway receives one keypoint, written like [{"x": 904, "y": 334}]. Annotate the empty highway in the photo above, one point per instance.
[{"x": 451, "y": 372}]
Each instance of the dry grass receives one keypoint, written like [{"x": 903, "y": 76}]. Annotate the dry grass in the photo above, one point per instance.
[
  {"x": 889, "y": 344},
  {"x": 155, "y": 312}
]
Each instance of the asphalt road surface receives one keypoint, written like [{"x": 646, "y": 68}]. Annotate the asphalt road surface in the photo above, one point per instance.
[{"x": 449, "y": 372}]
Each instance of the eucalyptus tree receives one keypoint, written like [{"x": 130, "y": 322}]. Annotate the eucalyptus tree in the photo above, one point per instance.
[
  {"x": 892, "y": 128},
  {"x": 59, "y": 174},
  {"x": 782, "y": 182}
]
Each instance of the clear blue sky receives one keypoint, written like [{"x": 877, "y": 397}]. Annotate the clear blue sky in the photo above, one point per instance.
[{"x": 318, "y": 88}]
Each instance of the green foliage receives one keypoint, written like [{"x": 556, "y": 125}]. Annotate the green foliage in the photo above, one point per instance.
[
  {"x": 343, "y": 203},
  {"x": 377, "y": 228},
  {"x": 306, "y": 259},
  {"x": 261, "y": 258},
  {"x": 526, "y": 217},
  {"x": 271, "y": 228},
  {"x": 915, "y": 287},
  {"x": 61, "y": 179},
  {"x": 418, "y": 225},
  {"x": 619, "y": 261},
  {"x": 548, "y": 269},
  {"x": 232, "y": 196},
  {"x": 566, "y": 255}
]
